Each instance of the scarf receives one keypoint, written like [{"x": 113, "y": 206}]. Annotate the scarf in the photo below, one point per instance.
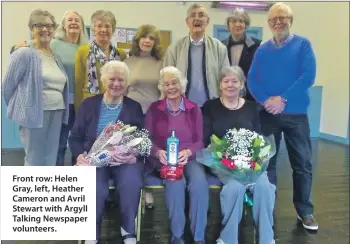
[{"x": 97, "y": 54}]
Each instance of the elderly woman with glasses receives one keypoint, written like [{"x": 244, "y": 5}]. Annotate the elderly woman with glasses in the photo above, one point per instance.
[
  {"x": 90, "y": 58},
  {"x": 175, "y": 112},
  {"x": 36, "y": 91},
  {"x": 145, "y": 63},
  {"x": 229, "y": 111},
  {"x": 240, "y": 46},
  {"x": 69, "y": 36},
  {"x": 94, "y": 114}
]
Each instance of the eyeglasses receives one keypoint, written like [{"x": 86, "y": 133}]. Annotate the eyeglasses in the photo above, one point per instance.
[
  {"x": 280, "y": 18},
  {"x": 41, "y": 26},
  {"x": 200, "y": 15}
]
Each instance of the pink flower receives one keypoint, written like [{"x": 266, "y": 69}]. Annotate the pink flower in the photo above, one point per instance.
[
  {"x": 228, "y": 163},
  {"x": 253, "y": 164}
]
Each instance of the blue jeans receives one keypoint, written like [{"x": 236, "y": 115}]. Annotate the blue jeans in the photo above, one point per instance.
[
  {"x": 65, "y": 129},
  {"x": 296, "y": 131},
  {"x": 232, "y": 197},
  {"x": 198, "y": 188}
]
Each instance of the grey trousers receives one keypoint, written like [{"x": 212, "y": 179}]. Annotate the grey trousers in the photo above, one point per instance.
[
  {"x": 41, "y": 144},
  {"x": 231, "y": 198}
]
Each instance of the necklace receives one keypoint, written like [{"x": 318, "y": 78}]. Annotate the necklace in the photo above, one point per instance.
[
  {"x": 115, "y": 107},
  {"x": 222, "y": 101},
  {"x": 174, "y": 113}
]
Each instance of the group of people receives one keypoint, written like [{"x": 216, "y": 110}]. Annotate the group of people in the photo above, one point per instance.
[{"x": 60, "y": 88}]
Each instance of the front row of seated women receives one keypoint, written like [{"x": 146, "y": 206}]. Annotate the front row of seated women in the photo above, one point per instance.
[{"x": 193, "y": 129}]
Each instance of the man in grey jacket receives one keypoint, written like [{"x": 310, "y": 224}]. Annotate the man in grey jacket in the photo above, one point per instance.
[{"x": 199, "y": 57}]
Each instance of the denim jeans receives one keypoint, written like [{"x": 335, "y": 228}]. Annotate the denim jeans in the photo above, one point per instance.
[
  {"x": 65, "y": 129},
  {"x": 296, "y": 132}
]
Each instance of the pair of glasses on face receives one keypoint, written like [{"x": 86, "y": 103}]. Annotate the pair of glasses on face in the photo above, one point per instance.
[
  {"x": 42, "y": 26},
  {"x": 281, "y": 19},
  {"x": 170, "y": 83},
  {"x": 200, "y": 15}
]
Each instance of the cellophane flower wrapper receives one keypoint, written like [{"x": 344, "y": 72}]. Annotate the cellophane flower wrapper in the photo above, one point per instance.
[
  {"x": 118, "y": 138},
  {"x": 241, "y": 154}
]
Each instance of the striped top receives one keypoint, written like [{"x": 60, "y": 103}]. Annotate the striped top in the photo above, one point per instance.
[{"x": 107, "y": 116}]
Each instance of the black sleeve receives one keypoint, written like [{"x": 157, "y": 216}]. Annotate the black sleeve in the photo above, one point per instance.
[
  {"x": 77, "y": 135},
  {"x": 207, "y": 124},
  {"x": 139, "y": 119},
  {"x": 257, "y": 124}
]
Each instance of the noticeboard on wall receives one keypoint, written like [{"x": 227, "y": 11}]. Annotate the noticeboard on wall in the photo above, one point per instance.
[{"x": 121, "y": 35}]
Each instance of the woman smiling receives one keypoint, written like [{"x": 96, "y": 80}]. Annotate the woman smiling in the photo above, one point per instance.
[{"x": 36, "y": 92}]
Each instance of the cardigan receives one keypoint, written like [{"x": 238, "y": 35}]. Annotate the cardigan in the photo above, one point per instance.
[
  {"x": 216, "y": 58},
  {"x": 84, "y": 131},
  {"x": 157, "y": 120},
  {"x": 23, "y": 88},
  {"x": 250, "y": 46},
  {"x": 81, "y": 74}
]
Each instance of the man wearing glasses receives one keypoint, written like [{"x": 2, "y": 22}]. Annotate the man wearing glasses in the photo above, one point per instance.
[
  {"x": 281, "y": 74},
  {"x": 199, "y": 57}
]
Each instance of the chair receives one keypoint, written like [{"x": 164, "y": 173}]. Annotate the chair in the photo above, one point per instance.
[{"x": 137, "y": 219}]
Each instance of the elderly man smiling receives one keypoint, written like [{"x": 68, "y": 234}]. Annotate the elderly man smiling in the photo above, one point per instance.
[
  {"x": 199, "y": 57},
  {"x": 281, "y": 74}
]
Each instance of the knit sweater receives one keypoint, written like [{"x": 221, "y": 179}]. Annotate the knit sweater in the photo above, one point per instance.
[
  {"x": 66, "y": 51},
  {"x": 81, "y": 75},
  {"x": 288, "y": 71},
  {"x": 215, "y": 59},
  {"x": 143, "y": 80},
  {"x": 23, "y": 87}
]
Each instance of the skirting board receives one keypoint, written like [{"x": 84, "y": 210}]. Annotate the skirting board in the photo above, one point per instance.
[{"x": 337, "y": 139}]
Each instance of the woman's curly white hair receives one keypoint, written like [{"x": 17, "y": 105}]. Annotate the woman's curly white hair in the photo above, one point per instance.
[{"x": 178, "y": 75}]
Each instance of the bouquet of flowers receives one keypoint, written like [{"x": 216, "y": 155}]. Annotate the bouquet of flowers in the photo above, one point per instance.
[
  {"x": 241, "y": 154},
  {"x": 118, "y": 138}
]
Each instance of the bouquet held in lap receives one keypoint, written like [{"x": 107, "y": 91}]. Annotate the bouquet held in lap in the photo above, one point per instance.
[{"x": 118, "y": 139}]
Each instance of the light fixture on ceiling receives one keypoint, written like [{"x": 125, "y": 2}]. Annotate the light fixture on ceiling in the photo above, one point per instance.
[{"x": 246, "y": 5}]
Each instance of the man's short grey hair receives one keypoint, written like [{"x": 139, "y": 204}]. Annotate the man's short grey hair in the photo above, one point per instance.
[
  {"x": 114, "y": 66},
  {"x": 103, "y": 15},
  {"x": 36, "y": 14},
  {"x": 234, "y": 70},
  {"x": 195, "y": 6},
  {"x": 178, "y": 75},
  {"x": 239, "y": 13},
  {"x": 61, "y": 32}
]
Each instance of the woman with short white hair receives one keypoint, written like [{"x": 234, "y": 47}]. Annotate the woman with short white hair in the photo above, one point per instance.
[
  {"x": 94, "y": 114},
  {"x": 230, "y": 111},
  {"x": 175, "y": 112}
]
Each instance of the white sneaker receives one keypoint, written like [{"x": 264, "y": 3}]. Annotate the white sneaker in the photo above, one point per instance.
[
  {"x": 91, "y": 242},
  {"x": 273, "y": 242}
]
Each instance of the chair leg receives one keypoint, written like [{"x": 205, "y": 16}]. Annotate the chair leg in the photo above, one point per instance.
[
  {"x": 143, "y": 202},
  {"x": 139, "y": 217}
]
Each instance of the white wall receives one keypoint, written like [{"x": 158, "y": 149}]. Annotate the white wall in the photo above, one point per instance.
[{"x": 326, "y": 24}]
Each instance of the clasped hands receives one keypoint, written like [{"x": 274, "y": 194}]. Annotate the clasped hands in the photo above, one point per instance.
[
  {"x": 182, "y": 159},
  {"x": 274, "y": 105},
  {"x": 117, "y": 159}
]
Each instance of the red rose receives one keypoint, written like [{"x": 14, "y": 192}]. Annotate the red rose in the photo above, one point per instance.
[
  {"x": 253, "y": 164},
  {"x": 228, "y": 163}
]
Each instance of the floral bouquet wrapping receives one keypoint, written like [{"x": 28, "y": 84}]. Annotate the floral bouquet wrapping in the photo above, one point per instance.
[
  {"x": 118, "y": 138},
  {"x": 241, "y": 154}
]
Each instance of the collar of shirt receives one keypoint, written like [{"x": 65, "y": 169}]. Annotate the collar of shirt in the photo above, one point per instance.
[
  {"x": 284, "y": 42},
  {"x": 182, "y": 104},
  {"x": 194, "y": 42}
]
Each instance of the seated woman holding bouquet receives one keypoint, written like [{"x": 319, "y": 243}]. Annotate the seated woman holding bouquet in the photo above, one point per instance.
[
  {"x": 175, "y": 112},
  {"x": 94, "y": 114},
  {"x": 227, "y": 112}
]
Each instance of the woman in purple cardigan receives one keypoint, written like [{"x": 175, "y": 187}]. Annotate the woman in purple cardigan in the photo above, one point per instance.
[
  {"x": 174, "y": 111},
  {"x": 93, "y": 115}
]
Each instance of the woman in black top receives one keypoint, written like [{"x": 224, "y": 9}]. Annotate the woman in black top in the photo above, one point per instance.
[{"x": 230, "y": 111}]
